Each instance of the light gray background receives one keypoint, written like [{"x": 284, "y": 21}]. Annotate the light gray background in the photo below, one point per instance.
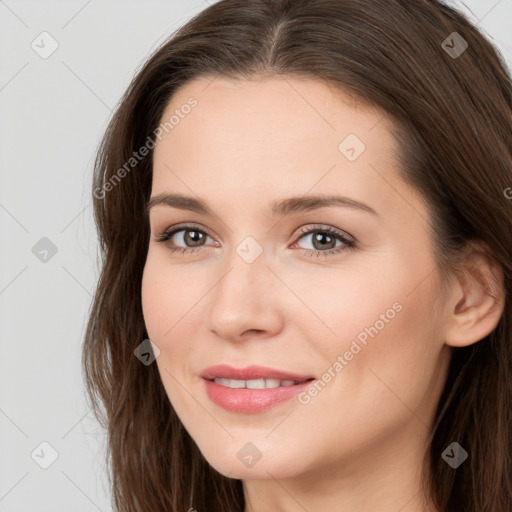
[{"x": 53, "y": 112}]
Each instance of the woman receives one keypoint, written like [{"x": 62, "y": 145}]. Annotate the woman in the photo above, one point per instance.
[{"x": 304, "y": 301}]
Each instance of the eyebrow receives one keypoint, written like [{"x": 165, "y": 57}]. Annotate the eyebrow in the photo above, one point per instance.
[{"x": 280, "y": 208}]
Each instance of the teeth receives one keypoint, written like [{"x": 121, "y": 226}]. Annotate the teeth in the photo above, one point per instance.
[
  {"x": 254, "y": 383},
  {"x": 269, "y": 383},
  {"x": 234, "y": 383}
]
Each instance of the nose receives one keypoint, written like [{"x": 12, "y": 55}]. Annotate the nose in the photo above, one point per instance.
[{"x": 246, "y": 302}]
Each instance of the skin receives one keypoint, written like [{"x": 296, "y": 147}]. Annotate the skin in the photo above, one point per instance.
[{"x": 358, "y": 444}]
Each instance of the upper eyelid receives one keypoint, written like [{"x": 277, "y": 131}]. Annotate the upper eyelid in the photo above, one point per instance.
[
  {"x": 186, "y": 227},
  {"x": 324, "y": 227}
]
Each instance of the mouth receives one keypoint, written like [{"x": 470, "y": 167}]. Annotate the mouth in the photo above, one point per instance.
[
  {"x": 253, "y": 389},
  {"x": 253, "y": 373},
  {"x": 257, "y": 383}
]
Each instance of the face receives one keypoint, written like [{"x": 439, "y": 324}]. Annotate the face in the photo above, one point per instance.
[{"x": 335, "y": 298}]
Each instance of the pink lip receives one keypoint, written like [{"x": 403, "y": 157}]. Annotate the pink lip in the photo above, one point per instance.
[
  {"x": 225, "y": 371},
  {"x": 250, "y": 400}
]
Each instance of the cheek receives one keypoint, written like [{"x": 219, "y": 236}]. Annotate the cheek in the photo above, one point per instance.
[
  {"x": 389, "y": 346},
  {"x": 376, "y": 319},
  {"x": 388, "y": 371},
  {"x": 171, "y": 301},
  {"x": 347, "y": 305},
  {"x": 162, "y": 308},
  {"x": 166, "y": 298}
]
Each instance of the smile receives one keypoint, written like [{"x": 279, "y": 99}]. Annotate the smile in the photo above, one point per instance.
[{"x": 255, "y": 383}]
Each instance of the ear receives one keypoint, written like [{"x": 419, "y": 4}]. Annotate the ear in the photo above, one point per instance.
[{"x": 478, "y": 298}]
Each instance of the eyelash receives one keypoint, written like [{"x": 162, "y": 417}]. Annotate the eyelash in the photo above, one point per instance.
[{"x": 349, "y": 243}]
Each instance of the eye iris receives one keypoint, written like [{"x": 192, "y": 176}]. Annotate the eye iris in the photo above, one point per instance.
[
  {"x": 194, "y": 239},
  {"x": 320, "y": 236}
]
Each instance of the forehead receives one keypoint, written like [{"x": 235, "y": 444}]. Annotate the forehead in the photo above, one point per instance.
[
  {"x": 268, "y": 118},
  {"x": 304, "y": 108},
  {"x": 247, "y": 143}
]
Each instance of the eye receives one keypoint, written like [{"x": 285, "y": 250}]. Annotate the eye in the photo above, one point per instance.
[
  {"x": 192, "y": 237},
  {"x": 324, "y": 240}
]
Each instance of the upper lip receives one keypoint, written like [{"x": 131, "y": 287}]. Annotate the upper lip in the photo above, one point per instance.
[{"x": 252, "y": 372}]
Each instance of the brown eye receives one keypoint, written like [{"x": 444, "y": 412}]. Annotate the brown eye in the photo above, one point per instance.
[
  {"x": 322, "y": 240},
  {"x": 193, "y": 237},
  {"x": 183, "y": 238},
  {"x": 325, "y": 241}
]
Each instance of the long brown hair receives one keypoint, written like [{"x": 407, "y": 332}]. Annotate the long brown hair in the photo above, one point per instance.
[{"x": 451, "y": 112}]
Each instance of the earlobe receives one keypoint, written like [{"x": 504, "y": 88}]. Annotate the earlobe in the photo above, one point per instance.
[{"x": 478, "y": 299}]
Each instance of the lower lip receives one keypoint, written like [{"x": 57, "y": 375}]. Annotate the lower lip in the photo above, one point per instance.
[{"x": 251, "y": 400}]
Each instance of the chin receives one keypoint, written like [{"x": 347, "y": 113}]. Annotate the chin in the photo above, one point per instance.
[{"x": 247, "y": 462}]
